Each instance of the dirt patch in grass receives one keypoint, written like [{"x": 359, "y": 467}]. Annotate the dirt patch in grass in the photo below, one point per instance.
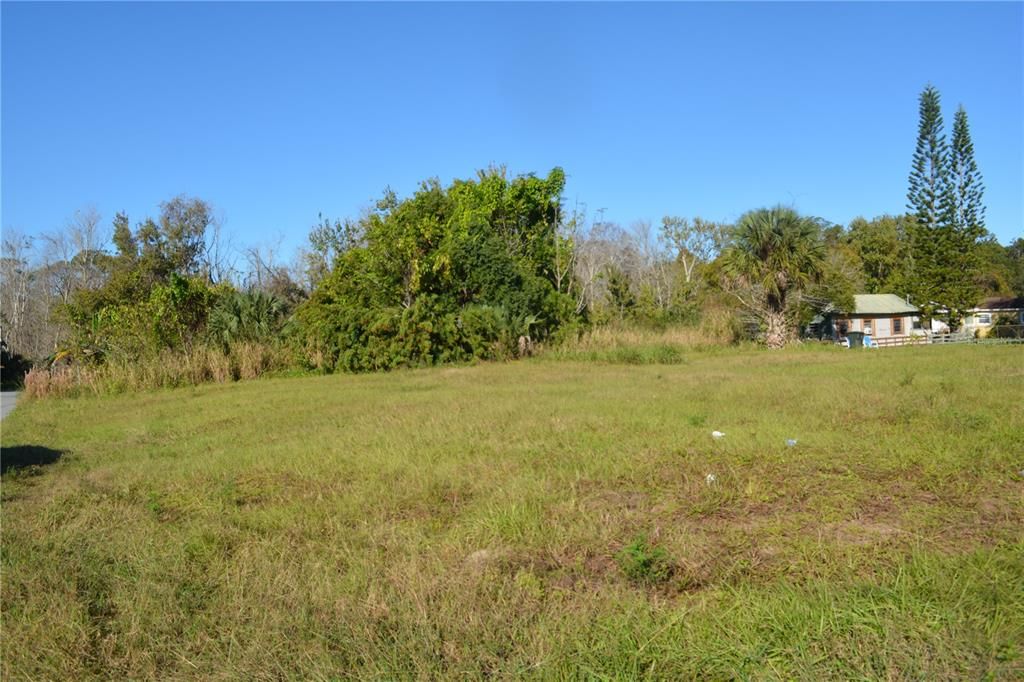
[{"x": 861, "y": 532}]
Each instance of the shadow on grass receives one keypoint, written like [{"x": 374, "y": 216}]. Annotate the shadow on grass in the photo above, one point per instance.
[{"x": 21, "y": 456}]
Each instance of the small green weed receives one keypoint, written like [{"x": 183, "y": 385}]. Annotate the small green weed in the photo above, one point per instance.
[{"x": 645, "y": 563}]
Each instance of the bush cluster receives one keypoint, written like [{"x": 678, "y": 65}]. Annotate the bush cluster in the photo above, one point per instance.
[{"x": 450, "y": 274}]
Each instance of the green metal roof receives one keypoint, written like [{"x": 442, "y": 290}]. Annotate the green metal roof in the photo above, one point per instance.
[{"x": 881, "y": 304}]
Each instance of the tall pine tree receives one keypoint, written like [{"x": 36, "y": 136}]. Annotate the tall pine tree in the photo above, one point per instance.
[
  {"x": 964, "y": 222},
  {"x": 945, "y": 196},
  {"x": 926, "y": 201},
  {"x": 928, "y": 176},
  {"x": 964, "y": 189}
]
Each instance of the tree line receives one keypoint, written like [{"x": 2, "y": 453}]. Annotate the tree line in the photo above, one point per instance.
[{"x": 484, "y": 268}]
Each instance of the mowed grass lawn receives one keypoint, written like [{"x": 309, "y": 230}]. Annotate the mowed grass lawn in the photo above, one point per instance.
[{"x": 470, "y": 522}]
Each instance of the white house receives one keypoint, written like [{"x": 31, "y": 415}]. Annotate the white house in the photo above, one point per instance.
[{"x": 982, "y": 316}]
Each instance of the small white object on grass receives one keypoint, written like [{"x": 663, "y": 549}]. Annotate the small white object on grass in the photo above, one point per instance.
[
  {"x": 711, "y": 478},
  {"x": 717, "y": 434},
  {"x": 791, "y": 442}
]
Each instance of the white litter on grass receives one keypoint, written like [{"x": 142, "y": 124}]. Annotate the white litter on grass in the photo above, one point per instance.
[
  {"x": 717, "y": 434},
  {"x": 791, "y": 442},
  {"x": 711, "y": 478}
]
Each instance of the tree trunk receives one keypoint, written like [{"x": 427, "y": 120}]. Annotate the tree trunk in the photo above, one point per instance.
[{"x": 776, "y": 333}]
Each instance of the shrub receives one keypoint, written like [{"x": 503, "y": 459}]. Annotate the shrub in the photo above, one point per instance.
[
  {"x": 1006, "y": 327},
  {"x": 644, "y": 563},
  {"x": 245, "y": 316}
]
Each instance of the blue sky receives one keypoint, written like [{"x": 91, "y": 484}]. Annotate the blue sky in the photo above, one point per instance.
[{"x": 278, "y": 112}]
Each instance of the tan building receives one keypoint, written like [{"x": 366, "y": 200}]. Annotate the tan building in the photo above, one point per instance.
[{"x": 880, "y": 316}]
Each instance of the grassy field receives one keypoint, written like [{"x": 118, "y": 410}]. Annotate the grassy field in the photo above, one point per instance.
[{"x": 545, "y": 519}]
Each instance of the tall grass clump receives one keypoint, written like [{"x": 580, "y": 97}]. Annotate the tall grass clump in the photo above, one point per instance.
[
  {"x": 168, "y": 369},
  {"x": 639, "y": 345},
  {"x": 41, "y": 382}
]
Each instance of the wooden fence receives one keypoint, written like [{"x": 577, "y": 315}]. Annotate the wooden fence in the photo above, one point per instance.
[
  {"x": 1001, "y": 334},
  {"x": 899, "y": 341},
  {"x": 952, "y": 337}
]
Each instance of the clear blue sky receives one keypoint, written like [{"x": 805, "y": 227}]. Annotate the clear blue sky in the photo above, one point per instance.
[{"x": 276, "y": 112}]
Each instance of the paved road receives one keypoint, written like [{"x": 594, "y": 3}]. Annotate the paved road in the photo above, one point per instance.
[{"x": 7, "y": 400}]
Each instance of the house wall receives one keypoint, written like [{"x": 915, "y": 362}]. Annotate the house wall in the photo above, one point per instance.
[
  {"x": 859, "y": 323},
  {"x": 981, "y": 319},
  {"x": 975, "y": 320}
]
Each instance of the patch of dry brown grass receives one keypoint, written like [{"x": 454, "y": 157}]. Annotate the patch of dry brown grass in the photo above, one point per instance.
[{"x": 199, "y": 365}]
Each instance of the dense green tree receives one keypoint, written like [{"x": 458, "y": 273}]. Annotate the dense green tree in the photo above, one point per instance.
[
  {"x": 124, "y": 240},
  {"x": 449, "y": 273},
  {"x": 841, "y": 276},
  {"x": 183, "y": 225},
  {"x": 327, "y": 241},
  {"x": 995, "y": 268},
  {"x": 882, "y": 247},
  {"x": 1000, "y": 268},
  {"x": 775, "y": 256},
  {"x": 154, "y": 294},
  {"x": 1015, "y": 260},
  {"x": 621, "y": 299}
]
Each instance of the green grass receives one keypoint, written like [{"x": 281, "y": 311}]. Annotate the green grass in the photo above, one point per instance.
[{"x": 537, "y": 519}]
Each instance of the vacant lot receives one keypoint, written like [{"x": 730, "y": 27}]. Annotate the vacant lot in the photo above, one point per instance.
[{"x": 472, "y": 521}]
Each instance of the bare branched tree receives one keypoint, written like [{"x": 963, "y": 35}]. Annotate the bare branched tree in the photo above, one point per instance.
[
  {"x": 566, "y": 241},
  {"x": 692, "y": 243},
  {"x": 15, "y": 277},
  {"x": 603, "y": 246},
  {"x": 72, "y": 254},
  {"x": 219, "y": 258}
]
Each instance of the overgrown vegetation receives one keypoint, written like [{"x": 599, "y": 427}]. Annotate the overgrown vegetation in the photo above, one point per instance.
[
  {"x": 450, "y": 274},
  {"x": 487, "y": 268},
  {"x": 635, "y": 345},
  {"x": 475, "y": 521}
]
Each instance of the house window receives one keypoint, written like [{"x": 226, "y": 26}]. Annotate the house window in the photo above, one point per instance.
[
  {"x": 897, "y": 325},
  {"x": 867, "y": 326},
  {"x": 916, "y": 323},
  {"x": 984, "y": 318}
]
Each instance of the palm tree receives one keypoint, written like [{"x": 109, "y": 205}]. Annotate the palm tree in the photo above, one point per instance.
[
  {"x": 775, "y": 254},
  {"x": 245, "y": 316}
]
